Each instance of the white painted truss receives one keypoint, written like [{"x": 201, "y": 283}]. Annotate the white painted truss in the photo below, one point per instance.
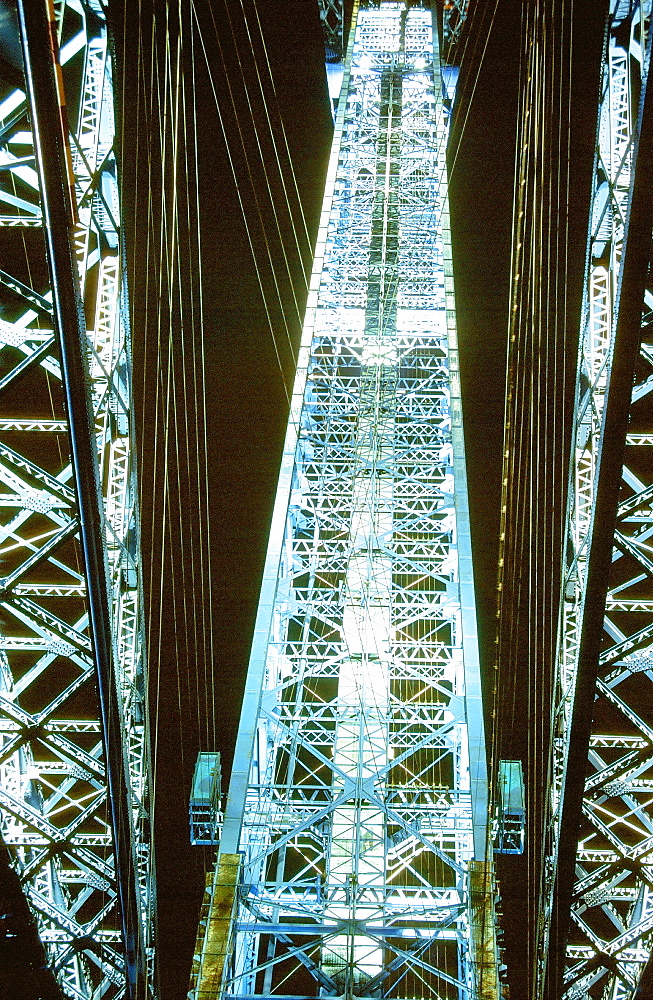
[
  {"x": 612, "y": 906},
  {"x": 53, "y": 792},
  {"x": 358, "y": 796}
]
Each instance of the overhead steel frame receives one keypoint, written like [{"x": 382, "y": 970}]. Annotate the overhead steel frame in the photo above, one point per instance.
[
  {"x": 358, "y": 799},
  {"x": 74, "y": 763},
  {"x": 596, "y": 928}
]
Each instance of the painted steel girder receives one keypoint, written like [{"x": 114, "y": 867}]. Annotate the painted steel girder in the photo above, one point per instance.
[
  {"x": 53, "y": 775},
  {"x": 358, "y": 795},
  {"x": 608, "y": 899}
]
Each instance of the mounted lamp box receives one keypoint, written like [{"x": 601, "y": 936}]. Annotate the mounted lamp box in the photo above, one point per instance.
[
  {"x": 511, "y": 808},
  {"x": 204, "y": 804}
]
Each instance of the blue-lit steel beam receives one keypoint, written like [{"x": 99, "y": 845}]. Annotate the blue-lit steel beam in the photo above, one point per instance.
[{"x": 70, "y": 326}]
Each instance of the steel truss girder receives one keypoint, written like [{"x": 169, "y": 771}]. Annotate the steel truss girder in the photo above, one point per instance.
[
  {"x": 57, "y": 797},
  {"x": 358, "y": 796},
  {"x": 597, "y": 895}
]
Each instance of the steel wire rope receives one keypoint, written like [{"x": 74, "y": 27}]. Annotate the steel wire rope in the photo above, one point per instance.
[
  {"x": 121, "y": 143},
  {"x": 195, "y": 431},
  {"x": 478, "y": 32},
  {"x": 204, "y": 510},
  {"x": 282, "y": 173},
  {"x": 174, "y": 122},
  {"x": 566, "y": 428},
  {"x": 511, "y": 451},
  {"x": 162, "y": 541},
  {"x": 518, "y": 486},
  {"x": 241, "y": 203},
  {"x": 188, "y": 497},
  {"x": 166, "y": 384},
  {"x": 159, "y": 497},
  {"x": 549, "y": 466},
  {"x": 199, "y": 550},
  {"x": 276, "y": 102},
  {"x": 530, "y": 539},
  {"x": 245, "y": 218},
  {"x": 546, "y": 292},
  {"x": 172, "y": 241},
  {"x": 258, "y": 209},
  {"x": 552, "y": 302},
  {"x": 169, "y": 245},
  {"x": 188, "y": 265}
]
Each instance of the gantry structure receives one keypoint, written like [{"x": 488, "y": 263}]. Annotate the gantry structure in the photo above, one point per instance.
[
  {"x": 355, "y": 853},
  {"x": 74, "y": 776}
]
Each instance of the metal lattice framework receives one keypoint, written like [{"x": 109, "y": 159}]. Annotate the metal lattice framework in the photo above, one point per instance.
[
  {"x": 611, "y": 931},
  {"x": 358, "y": 797},
  {"x": 56, "y": 815},
  {"x": 331, "y": 16}
]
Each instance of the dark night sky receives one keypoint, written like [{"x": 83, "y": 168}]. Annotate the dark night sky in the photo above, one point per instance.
[{"x": 197, "y": 682}]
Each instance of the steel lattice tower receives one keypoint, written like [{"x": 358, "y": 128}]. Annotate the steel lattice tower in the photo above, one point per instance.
[
  {"x": 74, "y": 767},
  {"x": 353, "y": 853}
]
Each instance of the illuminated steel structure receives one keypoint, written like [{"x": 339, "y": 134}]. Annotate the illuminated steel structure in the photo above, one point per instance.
[
  {"x": 357, "y": 815},
  {"x": 597, "y": 919},
  {"x": 73, "y": 766}
]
